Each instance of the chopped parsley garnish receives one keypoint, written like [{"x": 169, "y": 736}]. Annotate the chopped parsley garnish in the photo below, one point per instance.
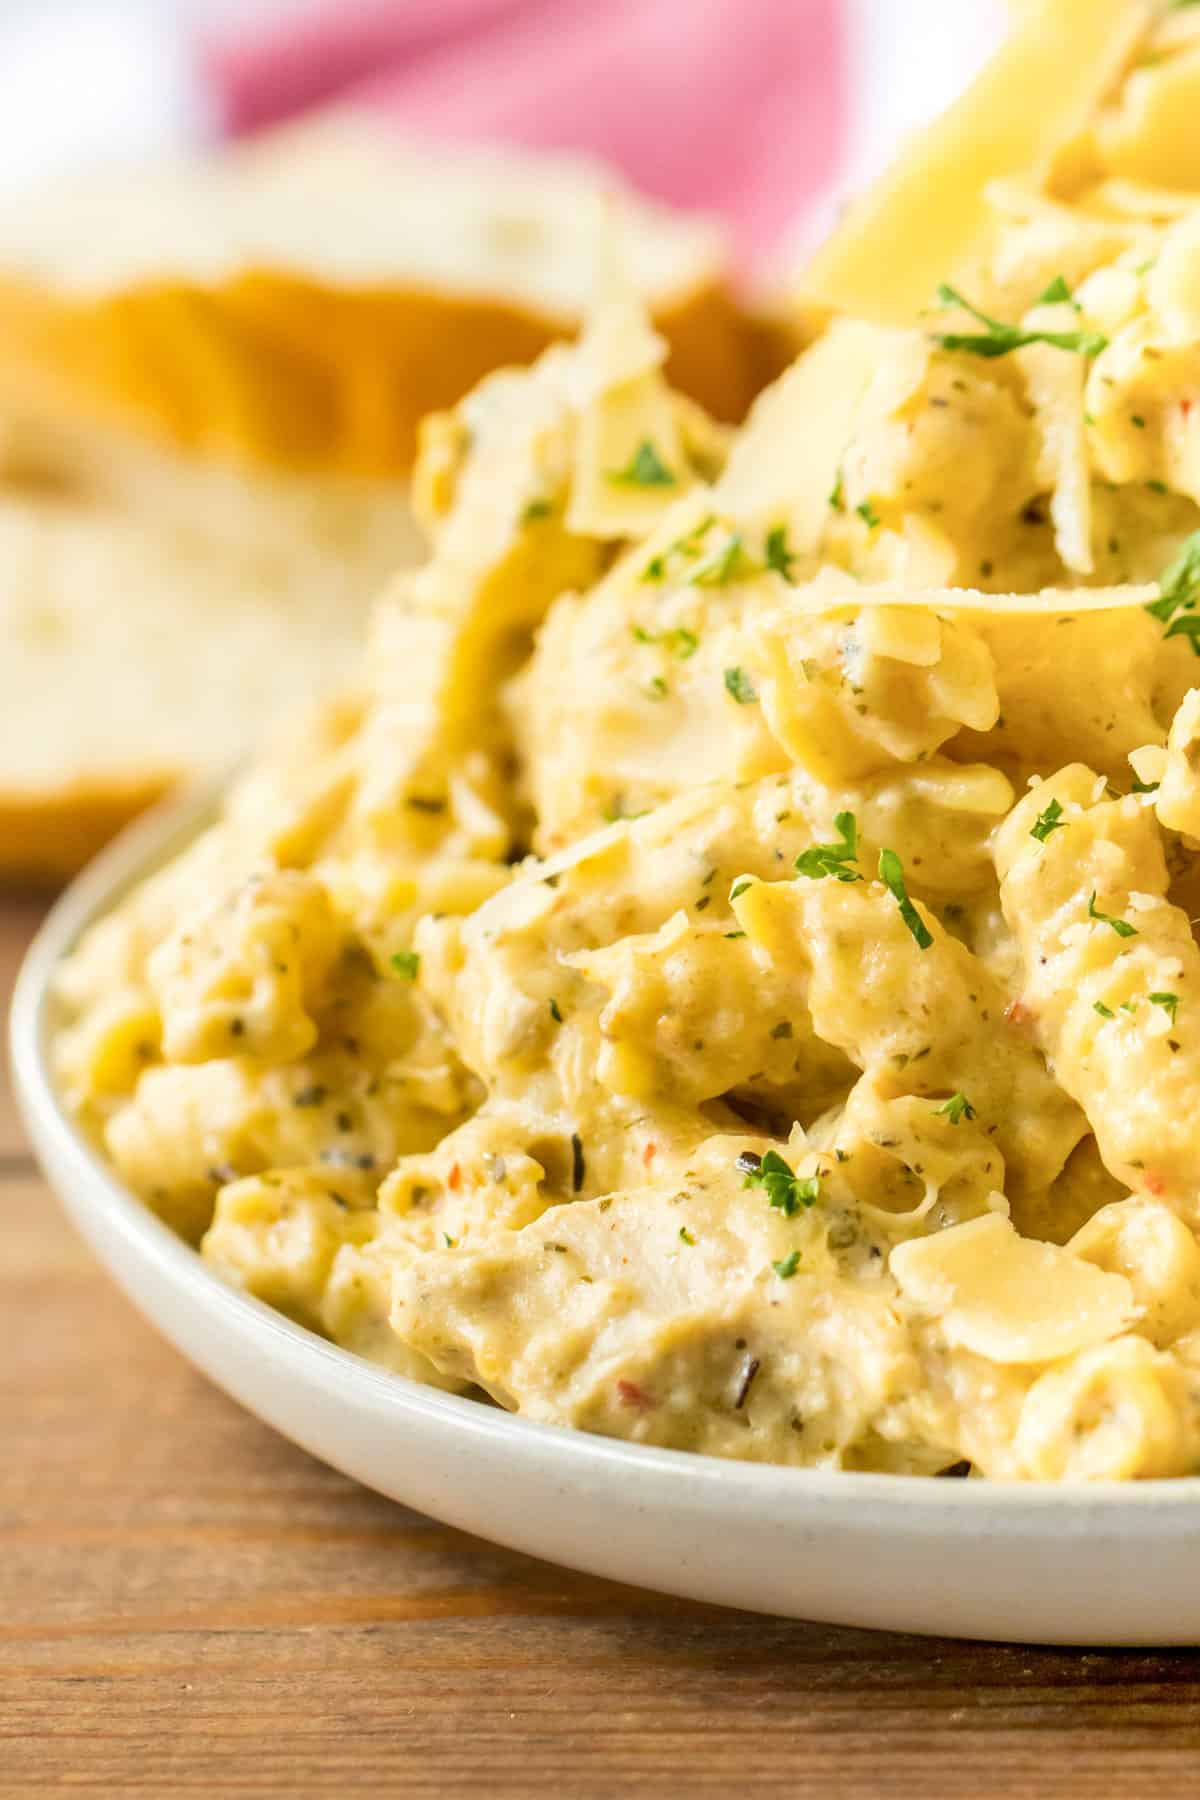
[
  {"x": 406, "y": 964},
  {"x": 1144, "y": 787},
  {"x": 728, "y": 563},
  {"x": 779, "y": 557},
  {"x": 645, "y": 468},
  {"x": 1048, "y": 820},
  {"x": 786, "y": 1191},
  {"x": 957, "y": 1108},
  {"x": 867, "y": 514},
  {"x": 1122, "y": 927},
  {"x": 677, "y": 638},
  {"x": 891, "y": 873},
  {"x": 788, "y": 1266},
  {"x": 688, "y": 547},
  {"x": 537, "y": 509},
  {"x": 555, "y": 1011},
  {"x": 997, "y": 338},
  {"x": 837, "y": 499},
  {"x": 832, "y": 859},
  {"x": 740, "y": 886},
  {"x": 656, "y": 688},
  {"x": 685, "y": 1235},
  {"x": 733, "y": 934},
  {"x": 1178, "y": 591},
  {"x": 578, "y": 1165},
  {"x": 448, "y": 1240},
  {"x": 1056, "y": 293},
  {"x": 739, "y": 685},
  {"x": 1106, "y": 1012},
  {"x": 1168, "y": 1002}
]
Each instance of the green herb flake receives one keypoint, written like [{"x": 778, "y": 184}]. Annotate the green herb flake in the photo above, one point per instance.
[
  {"x": 685, "y": 1236},
  {"x": 998, "y": 338},
  {"x": 733, "y": 934},
  {"x": 448, "y": 1240},
  {"x": 1178, "y": 591},
  {"x": 727, "y": 563},
  {"x": 1122, "y": 927},
  {"x": 740, "y": 885},
  {"x": 867, "y": 514},
  {"x": 787, "y": 1267},
  {"x": 656, "y": 688},
  {"x": 837, "y": 497},
  {"x": 957, "y": 1108},
  {"x": 555, "y": 1011},
  {"x": 740, "y": 687},
  {"x": 1050, "y": 819},
  {"x": 644, "y": 469},
  {"x": 833, "y": 859},
  {"x": 677, "y": 638},
  {"x": 1106, "y": 1012},
  {"x": 891, "y": 873},
  {"x": 1144, "y": 787},
  {"x": 778, "y": 556},
  {"x": 406, "y": 964},
  {"x": 786, "y": 1191},
  {"x": 685, "y": 548},
  {"x": 1158, "y": 487},
  {"x": 1168, "y": 1002},
  {"x": 1057, "y": 293},
  {"x": 536, "y": 509}
]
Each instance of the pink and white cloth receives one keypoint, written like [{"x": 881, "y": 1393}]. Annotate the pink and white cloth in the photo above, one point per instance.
[{"x": 761, "y": 110}]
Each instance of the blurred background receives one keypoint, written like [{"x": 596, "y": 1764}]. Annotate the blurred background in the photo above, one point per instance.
[{"x": 756, "y": 108}]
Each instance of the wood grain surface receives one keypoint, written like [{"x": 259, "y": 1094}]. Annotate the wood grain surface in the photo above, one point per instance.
[{"x": 191, "y": 1606}]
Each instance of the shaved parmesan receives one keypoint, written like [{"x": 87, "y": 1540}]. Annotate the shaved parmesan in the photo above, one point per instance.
[
  {"x": 1011, "y": 1298},
  {"x": 913, "y": 228},
  {"x": 780, "y": 464},
  {"x": 1150, "y": 136},
  {"x": 1054, "y": 381}
]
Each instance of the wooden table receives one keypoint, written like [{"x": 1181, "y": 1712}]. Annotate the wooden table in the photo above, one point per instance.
[{"x": 189, "y": 1605}]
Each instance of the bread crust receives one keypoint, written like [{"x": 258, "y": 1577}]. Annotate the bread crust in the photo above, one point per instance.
[
  {"x": 46, "y": 837},
  {"x": 272, "y": 370}
]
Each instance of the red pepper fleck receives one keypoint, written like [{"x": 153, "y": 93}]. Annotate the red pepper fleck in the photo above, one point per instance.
[
  {"x": 633, "y": 1395},
  {"x": 1017, "y": 1013},
  {"x": 649, "y": 1154},
  {"x": 1185, "y": 407},
  {"x": 1153, "y": 1184},
  {"x": 454, "y": 1179}
]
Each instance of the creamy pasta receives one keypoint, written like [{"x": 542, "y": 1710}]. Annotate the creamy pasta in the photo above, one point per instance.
[{"x": 729, "y": 979}]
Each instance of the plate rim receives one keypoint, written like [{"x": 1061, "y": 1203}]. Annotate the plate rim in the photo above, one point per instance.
[{"x": 926, "y": 1501}]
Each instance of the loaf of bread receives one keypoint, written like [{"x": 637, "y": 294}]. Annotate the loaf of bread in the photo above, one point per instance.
[
  {"x": 303, "y": 301},
  {"x": 136, "y": 656}
]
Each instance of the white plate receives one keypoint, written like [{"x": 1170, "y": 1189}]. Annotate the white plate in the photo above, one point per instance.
[{"x": 1068, "y": 1564}]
